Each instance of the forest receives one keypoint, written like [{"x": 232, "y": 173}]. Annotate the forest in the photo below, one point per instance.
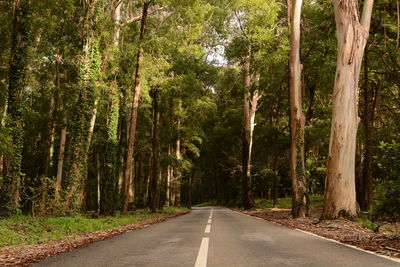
[{"x": 111, "y": 106}]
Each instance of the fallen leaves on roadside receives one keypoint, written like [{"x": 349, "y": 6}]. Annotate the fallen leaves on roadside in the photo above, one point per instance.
[
  {"x": 341, "y": 230},
  {"x": 26, "y": 256}
]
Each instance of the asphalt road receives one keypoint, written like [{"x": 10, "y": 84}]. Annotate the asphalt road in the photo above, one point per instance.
[{"x": 216, "y": 237}]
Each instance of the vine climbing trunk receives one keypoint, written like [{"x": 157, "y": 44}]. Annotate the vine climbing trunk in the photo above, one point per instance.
[
  {"x": 352, "y": 35},
  {"x": 21, "y": 39},
  {"x": 84, "y": 114},
  {"x": 128, "y": 197},
  {"x": 297, "y": 119},
  {"x": 109, "y": 174}
]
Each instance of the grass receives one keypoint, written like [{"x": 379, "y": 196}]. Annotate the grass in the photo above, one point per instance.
[
  {"x": 317, "y": 201},
  {"x": 25, "y": 230}
]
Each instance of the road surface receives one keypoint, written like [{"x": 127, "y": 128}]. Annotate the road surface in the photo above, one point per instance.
[{"x": 216, "y": 237}]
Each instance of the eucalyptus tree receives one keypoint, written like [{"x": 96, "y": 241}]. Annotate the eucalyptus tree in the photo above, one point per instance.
[
  {"x": 297, "y": 118},
  {"x": 352, "y": 35},
  {"x": 252, "y": 27}
]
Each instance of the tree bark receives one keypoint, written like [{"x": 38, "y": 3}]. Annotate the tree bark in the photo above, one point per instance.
[
  {"x": 18, "y": 68},
  {"x": 133, "y": 120},
  {"x": 84, "y": 113},
  {"x": 246, "y": 136},
  {"x": 169, "y": 176},
  {"x": 52, "y": 119},
  {"x": 178, "y": 155},
  {"x": 141, "y": 184},
  {"x": 155, "y": 147},
  {"x": 366, "y": 199},
  {"x": 297, "y": 119},
  {"x": 2, "y": 125},
  {"x": 352, "y": 35},
  {"x": 60, "y": 160}
]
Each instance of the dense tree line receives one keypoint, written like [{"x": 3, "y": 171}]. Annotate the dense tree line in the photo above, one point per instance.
[{"x": 111, "y": 105}]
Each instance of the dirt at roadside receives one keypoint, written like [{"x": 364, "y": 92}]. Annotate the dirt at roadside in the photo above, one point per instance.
[
  {"x": 27, "y": 255},
  {"x": 342, "y": 230}
]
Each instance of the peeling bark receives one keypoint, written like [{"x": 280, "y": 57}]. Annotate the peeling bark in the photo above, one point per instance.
[
  {"x": 250, "y": 103},
  {"x": 297, "y": 119},
  {"x": 352, "y": 35}
]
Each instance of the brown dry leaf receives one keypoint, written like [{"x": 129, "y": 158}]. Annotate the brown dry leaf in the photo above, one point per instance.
[{"x": 344, "y": 231}]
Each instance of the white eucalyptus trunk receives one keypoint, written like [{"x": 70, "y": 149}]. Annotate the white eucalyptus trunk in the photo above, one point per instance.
[
  {"x": 352, "y": 35},
  {"x": 297, "y": 119}
]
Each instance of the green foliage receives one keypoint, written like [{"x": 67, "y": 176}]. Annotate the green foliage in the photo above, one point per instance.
[
  {"x": 387, "y": 191},
  {"x": 71, "y": 59}
]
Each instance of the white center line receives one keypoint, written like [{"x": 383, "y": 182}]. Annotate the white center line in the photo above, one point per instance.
[{"x": 201, "y": 260}]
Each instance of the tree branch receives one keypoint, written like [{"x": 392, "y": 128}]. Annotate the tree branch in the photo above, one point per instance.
[
  {"x": 138, "y": 18},
  {"x": 366, "y": 14}
]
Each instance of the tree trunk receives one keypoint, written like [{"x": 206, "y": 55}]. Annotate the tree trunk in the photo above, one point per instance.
[
  {"x": 2, "y": 125},
  {"x": 191, "y": 177},
  {"x": 141, "y": 184},
  {"x": 109, "y": 174},
  {"x": 52, "y": 119},
  {"x": 246, "y": 136},
  {"x": 297, "y": 119},
  {"x": 366, "y": 198},
  {"x": 178, "y": 155},
  {"x": 133, "y": 120},
  {"x": 155, "y": 147},
  {"x": 21, "y": 39},
  {"x": 82, "y": 123},
  {"x": 352, "y": 35},
  {"x": 169, "y": 175},
  {"x": 60, "y": 160}
]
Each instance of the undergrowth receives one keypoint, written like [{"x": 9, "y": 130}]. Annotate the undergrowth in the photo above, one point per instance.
[{"x": 25, "y": 230}]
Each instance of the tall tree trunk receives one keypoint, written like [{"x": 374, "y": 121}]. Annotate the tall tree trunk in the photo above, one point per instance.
[
  {"x": 141, "y": 184},
  {"x": 82, "y": 122},
  {"x": 297, "y": 119},
  {"x": 352, "y": 35},
  {"x": 155, "y": 146},
  {"x": 110, "y": 175},
  {"x": 60, "y": 159},
  {"x": 169, "y": 176},
  {"x": 2, "y": 125},
  {"x": 48, "y": 168},
  {"x": 21, "y": 39},
  {"x": 246, "y": 136},
  {"x": 133, "y": 120},
  {"x": 191, "y": 178},
  {"x": 366, "y": 199},
  {"x": 178, "y": 155}
]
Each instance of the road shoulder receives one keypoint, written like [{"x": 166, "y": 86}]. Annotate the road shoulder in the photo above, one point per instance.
[{"x": 27, "y": 255}]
